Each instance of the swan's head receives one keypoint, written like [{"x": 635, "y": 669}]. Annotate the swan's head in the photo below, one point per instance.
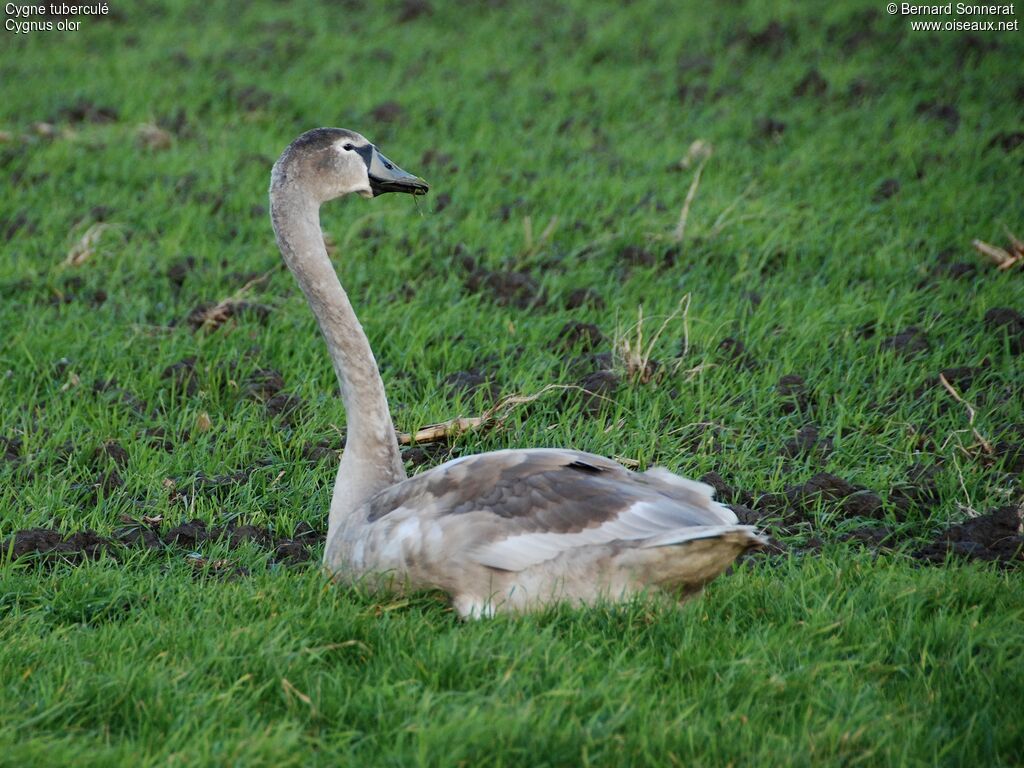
[{"x": 332, "y": 162}]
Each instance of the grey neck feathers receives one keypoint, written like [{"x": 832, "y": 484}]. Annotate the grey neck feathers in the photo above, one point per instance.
[{"x": 371, "y": 461}]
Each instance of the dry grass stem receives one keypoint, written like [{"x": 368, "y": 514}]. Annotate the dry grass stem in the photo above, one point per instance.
[
  {"x": 1002, "y": 258},
  {"x": 86, "y": 246},
  {"x": 492, "y": 417},
  {"x": 986, "y": 446},
  {"x": 219, "y": 313},
  {"x": 636, "y": 356},
  {"x": 532, "y": 245},
  {"x": 684, "y": 214}
]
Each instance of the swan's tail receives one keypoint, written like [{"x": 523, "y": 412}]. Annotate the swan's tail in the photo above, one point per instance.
[{"x": 688, "y": 558}]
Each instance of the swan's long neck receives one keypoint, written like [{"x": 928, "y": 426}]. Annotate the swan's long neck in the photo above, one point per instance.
[{"x": 371, "y": 461}]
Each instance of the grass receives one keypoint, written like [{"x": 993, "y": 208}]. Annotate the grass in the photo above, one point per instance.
[{"x": 519, "y": 115}]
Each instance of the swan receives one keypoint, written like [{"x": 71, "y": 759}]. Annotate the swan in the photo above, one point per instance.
[{"x": 505, "y": 531}]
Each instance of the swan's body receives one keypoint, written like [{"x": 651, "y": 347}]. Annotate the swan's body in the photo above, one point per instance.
[{"x": 507, "y": 530}]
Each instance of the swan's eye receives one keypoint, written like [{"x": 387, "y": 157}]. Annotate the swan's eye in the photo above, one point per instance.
[
  {"x": 389, "y": 166},
  {"x": 349, "y": 147}
]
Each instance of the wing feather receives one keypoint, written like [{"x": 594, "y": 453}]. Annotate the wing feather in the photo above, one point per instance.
[{"x": 513, "y": 509}]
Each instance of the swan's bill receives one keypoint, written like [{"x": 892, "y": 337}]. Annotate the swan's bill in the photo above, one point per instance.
[{"x": 385, "y": 176}]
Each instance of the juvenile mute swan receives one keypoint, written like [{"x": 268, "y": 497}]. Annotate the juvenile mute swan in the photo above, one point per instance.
[{"x": 510, "y": 530}]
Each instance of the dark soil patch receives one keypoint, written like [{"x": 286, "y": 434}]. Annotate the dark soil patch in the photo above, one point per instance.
[
  {"x": 908, "y": 342},
  {"x": 182, "y": 375},
  {"x": 113, "y": 451},
  {"x": 1008, "y": 320},
  {"x": 811, "y": 84},
  {"x": 596, "y": 389},
  {"x": 808, "y": 442},
  {"x": 505, "y": 288},
  {"x": 10, "y": 448},
  {"x": 793, "y": 391},
  {"x": 796, "y": 505},
  {"x": 636, "y": 256},
  {"x": 1007, "y": 140},
  {"x": 85, "y": 111},
  {"x": 263, "y": 384},
  {"x": 962, "y": 377},
  {"x": 582, "y": 336},
  {"x": 115, "y": 394},
  {"x": 321, "y": 451},
  {"x": 886, "y": 188},
  {"x": 945, "y": 267},
  {"x": 996, "y": 536},
  {"x": 410, "y": 10},
  {"x": 468, "y": 383},
  {"x": 769, "y": 128},
  {"x": 427, "y": 455},
  {"x": 51, "y": 546},
  {"x": 387, "y": 112},
  {"x": 179, "y": 271},
  {"x": 284, "y": 405},
  {"x": 772, "y": 38},
  {"x": 946, "y": 114},
  {"x": 584, "y": 297},
  {"x": 734, "y": 352}
]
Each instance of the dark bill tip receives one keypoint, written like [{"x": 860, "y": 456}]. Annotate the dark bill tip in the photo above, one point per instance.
[{"x": 410, "y": 185}]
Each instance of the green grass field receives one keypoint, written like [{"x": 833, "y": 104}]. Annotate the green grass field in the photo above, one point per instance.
[{"x": 853, "y": 162}]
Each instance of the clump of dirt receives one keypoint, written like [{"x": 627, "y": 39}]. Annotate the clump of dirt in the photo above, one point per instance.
[
  {"x": 505, "y": 288},
  {"x": 182, "y": 375},
  {"x": 769, "y": 128},
  {"x": 114, "y": 393},
  {"x": 10, "y": 448},
  {"x": 1008, "y": 450},
  {"x": 427, "y": 454},
  {"x": 179, "y": 271},
  {"x": 796, "y": 505},
  {"x": 321, "y": 451},
  {"x": 1011, "y": 322},
  {"x": 596, "y": 389},
  {"x": 73, "y": 548},
  {"x": 577, "y": 335},
  {"x": 584, "y": 297},
  {"x": 114, "y": 451},
  {"x": 212, "y": 316},
  {"x": 285, "y": 405},
  {"x": 996, "y": 536},
  {"x": 772, "y": 38},
  {"x": 1007, "y": 140},
  {"x": 387, "y": 112},
  {"x": 410, "y": 10},
  {"x": 962, "y": 377},
  {"x": 808, "y": 442},
  {"x": 636, "y": 256},
  {"x": 793, "y": 391},
  {"x": 946, "y": 114},
  {"x": 920, "y": 490},
  {"x": 945, "y": 267},
  {"x": 854, "y": 500},
  {"x": 439, "y": 161},
  {"x": 908, "y": 342},
  {"x": 811, "y": 84},
  {"x": 50, "y": 545},
  {"x": 265, "y": 386},
  {"x": 734, "y": 352},
  {"x": 886, "y": 188},
  {"x": 469, "y": 382},
  {"x": 85, "y": 111},
  {"x": 262, "y": 384}
]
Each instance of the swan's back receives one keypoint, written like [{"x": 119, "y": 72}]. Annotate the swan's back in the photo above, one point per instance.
[{"x": 510, "y": 528}]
